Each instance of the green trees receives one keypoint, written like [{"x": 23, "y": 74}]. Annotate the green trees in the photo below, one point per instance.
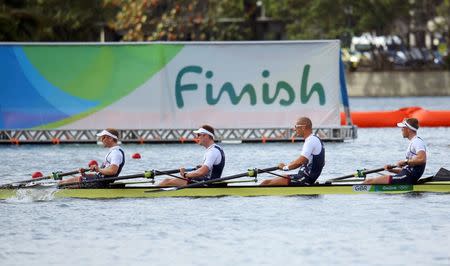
[
  {"x": 201, "y": 20},
  {"x": 444, "y": 11},
  {"x": 186, "y": 20},
  {"x": 331, "y": 19},
  {"x": 50, "y": 20}
]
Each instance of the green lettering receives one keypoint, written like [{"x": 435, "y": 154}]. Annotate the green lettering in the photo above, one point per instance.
[
  {"x": 280, "y": 85},
  {"x": 316, "y": 87},
  {"x": 228, "y": 88},
  {"x": 186, "y": 87}
]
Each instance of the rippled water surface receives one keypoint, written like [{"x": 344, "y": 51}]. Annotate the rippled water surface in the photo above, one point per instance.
[{"x": 411, "y": 229}]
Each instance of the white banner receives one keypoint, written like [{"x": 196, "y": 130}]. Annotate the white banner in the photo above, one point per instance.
[{"x": 232, "y": 85}]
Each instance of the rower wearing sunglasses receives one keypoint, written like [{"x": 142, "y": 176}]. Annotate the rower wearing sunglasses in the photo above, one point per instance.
[
  {"x": 311, "y": 160},
  {"x": 213, "y": 161}
]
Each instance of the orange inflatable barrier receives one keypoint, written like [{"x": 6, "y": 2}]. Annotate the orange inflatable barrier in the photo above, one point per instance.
[{"x": 427, "y": 118}]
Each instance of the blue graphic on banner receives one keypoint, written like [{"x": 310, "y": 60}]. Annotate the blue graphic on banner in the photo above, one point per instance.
[{"x": 27, "y": 98}]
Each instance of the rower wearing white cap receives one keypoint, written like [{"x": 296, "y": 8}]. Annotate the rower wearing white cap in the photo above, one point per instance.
[
  {"x": 408, "y": 171},
  {"x": 111, "y": 166},
  {"x": 213, "y": 161}
]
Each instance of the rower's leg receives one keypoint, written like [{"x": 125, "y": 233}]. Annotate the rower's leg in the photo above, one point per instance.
[
  {"x": 380, "y": 180},
  {"x": 278, "y": 181},
  {"x": 172, "y": 182},
  {"x": 76, "y": 179}
]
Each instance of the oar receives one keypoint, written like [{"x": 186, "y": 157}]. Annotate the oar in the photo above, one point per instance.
[
  {"x": 54, "y": 175},
  {"x": 179, "y": 177},
  {"x": 170, "y": 174},
  {"x": 360, "y": 173},
  {"x": 146, "y": 174},
  {"x": 271, "y": 173},
  {"x": 250, "y": 172}
]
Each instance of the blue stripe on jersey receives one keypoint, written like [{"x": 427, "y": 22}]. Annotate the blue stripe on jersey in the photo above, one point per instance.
[
  {"x": 416, "y": 171},
  {"x": 314, "y": 168},
  {"x": 120, "y": 166},
  {"x": 218, "y": 168}
]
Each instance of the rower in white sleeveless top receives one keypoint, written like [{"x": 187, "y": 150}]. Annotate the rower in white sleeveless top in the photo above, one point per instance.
[
  {"x": 310, "y": 162},
  {"x": 213, "y": 161},
  {"x": 409, "y": 170},
  {"x": 111, "y": 166}
]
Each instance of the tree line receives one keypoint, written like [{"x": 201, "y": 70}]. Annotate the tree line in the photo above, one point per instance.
[{"x": 214, "y": 20}]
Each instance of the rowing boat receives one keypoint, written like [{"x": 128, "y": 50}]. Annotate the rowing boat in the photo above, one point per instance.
[
  {"x": 439, "y": 183},
  {"x": 242, "y": 191}
]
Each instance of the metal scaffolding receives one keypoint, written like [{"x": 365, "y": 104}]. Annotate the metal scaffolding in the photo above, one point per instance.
[{"x": 141, "y": 136}]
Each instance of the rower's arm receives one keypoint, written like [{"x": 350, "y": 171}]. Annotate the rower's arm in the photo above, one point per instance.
[
  {"x": 200, "y": 172},
  {"x": 301, "y": 160},
  {"x": 110, "y": 170},
  {"x": 419, "y": 159},
  {"x": 393, "y": 170}
]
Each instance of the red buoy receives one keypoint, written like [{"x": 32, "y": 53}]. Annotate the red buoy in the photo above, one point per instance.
[
  {"x": 37, "y": 175},
  {"x": 136, "y": 156}
]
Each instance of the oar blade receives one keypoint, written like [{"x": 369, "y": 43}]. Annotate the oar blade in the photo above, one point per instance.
[{"x": 54, "y": 175}]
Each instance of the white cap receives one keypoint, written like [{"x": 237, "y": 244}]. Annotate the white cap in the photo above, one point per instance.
[
  {"x": 106, "y": 133},
  {"x": 203, "y": 131},
  {"x": 404, "y": 123}
]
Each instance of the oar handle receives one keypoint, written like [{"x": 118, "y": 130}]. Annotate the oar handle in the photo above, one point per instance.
[
  {"x": 59, "y": 175},
  {"x": 265, "y": 170},
  {"x": 283, "y": 176},
  {"x": 158, "y": 172}
]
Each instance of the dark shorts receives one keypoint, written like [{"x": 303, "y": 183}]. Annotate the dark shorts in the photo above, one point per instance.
[
  {"x": 402, "y": 178},
  {"x": 99, "y": 184},
  {"x": 300, "y": 180},
  {"x": 196, "y": 180}
]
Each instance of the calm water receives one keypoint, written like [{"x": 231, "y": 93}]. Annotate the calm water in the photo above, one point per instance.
[{"x": 325, "y": 230}]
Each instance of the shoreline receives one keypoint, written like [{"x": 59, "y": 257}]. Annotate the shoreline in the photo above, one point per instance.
[{"x": 398, "y": 83}]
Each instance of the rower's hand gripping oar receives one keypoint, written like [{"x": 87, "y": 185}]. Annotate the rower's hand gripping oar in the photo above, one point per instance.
[
  {"x": 178, "y": 177},
  {"x": 55, "y": 176},
  {"x": 272, "y": 173},
  {"x": 150, "y": 174},
  {"x": 360, "y": 173},
  {"x": 251, "y": 172}
]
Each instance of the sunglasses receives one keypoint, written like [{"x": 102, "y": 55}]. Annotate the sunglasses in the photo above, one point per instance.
[{"x": 299, "y": 126}]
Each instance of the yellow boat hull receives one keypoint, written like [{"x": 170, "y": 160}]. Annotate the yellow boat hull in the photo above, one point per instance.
[{"x": 241, "y": 191}]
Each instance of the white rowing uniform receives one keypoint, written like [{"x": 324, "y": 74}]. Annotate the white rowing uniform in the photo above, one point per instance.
[
  {"x": 115, "y": 156},
  {"x": 312, "y": 146},
  {"x": 214, "y": 159}
]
